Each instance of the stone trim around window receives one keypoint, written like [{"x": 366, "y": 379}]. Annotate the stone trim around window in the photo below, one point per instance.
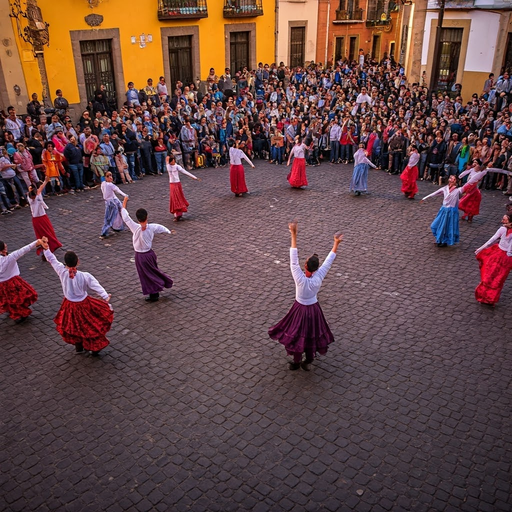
[
  {"x": 166, "y": 33},
  {"x": 94, "y": 35},
  {"x": 240, "y": 27}
]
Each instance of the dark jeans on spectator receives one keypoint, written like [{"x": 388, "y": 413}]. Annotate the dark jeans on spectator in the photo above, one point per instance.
[
  {"x": 77, "y": 171},
  {"x": 335, "y": 150}
]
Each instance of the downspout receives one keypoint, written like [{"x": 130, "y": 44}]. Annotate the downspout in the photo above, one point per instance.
[
  {"x": 276, "y": 33},
  {"x": 327, "y": 31}
]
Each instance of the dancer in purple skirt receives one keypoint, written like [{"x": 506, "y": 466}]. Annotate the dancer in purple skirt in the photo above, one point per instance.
[
  {"x": 304, "y": 328},
  {"x": 152, "y": 279}
]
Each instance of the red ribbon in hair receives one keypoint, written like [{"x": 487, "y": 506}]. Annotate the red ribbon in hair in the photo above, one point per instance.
[{"x": 72, "y": 272}]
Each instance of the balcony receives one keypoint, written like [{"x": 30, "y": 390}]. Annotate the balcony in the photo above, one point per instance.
[
  {"x": 242, "y": 8},
  {"x": 182, "y": 9},
  {"x": 344, "y": 16}
]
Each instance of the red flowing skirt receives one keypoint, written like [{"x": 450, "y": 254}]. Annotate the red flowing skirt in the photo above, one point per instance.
[
  {"x": 237, "y": 179},
  {"x": 495, "y": 267},
  {"x": 85, "y": 322},
  {"x": 177, "y": 201},
  {"x": 470, "y": 203},
  {"x": 43, "y": 227},
  {"x": 409, "y": 178},
  {"x": 16, "y": 295},
  {"x": 297, "y": 176}
]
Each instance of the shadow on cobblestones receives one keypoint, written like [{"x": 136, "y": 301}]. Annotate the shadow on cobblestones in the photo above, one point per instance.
[{"x": 192, "y": 407}]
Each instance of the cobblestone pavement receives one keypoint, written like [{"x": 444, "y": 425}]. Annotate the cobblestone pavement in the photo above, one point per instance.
[{"x": 192, "y": 407}]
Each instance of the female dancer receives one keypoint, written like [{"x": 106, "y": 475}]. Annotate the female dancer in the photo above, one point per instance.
[
  {"x": 495, "y": 263},
  {"x": 177, "y": 202},
  {"x": 16, "y": 295},
  {"x": 297, "y": 176},
  {"x": 446, "y": 224},
  {"x": 236, "y": 170},
  {"x": 40, "y": 221},
  {"x": 410, "y": 175},
  {"x": 112, "y": 206},
  {"x": 304, "y": 328},
  {"x": 359, "y": 182},
  {"x": 470, "y": 203},
  {"x": 82, "y": 320}
]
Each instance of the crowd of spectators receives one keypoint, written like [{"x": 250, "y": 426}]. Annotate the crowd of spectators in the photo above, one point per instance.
[{"x": 332, "y": 109}]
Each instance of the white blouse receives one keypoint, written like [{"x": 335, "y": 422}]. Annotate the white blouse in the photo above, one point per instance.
[
  {"x": 451, "y": 199},
  {"x": 475, "y": 176},
  {"x": 360, "y": 158},
  {"x": 413, "y": 159},
  {"x": 142, "y": 240},
  {"x": 236, "y": 156},
  {"x": 306, "y": 288},
  {"x": 75, "y": 290},
  {"x": 109, "y": 190},
  {"x": 298, "y": 151},
  {"x": 505, "y": 241},
  {"x": 174, "y": 173},
  {"x": 8, "y": 264},
  {"x": 37, "y": 206}
]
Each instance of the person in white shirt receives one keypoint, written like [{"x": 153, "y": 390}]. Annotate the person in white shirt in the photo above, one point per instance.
[
  {"x": 446, "y": 224},
  {"x": 410, "y": 174},
  {"x": 470, "y": 203},
  {"x": 177, "y": 203},
  {"x": 297, "y": 176},
  {"x": 82, "y": 320},
  {"x": 152, "y": 279},
  {"x": 236, "y": 170},
  {"x": 495, "y": 263},
  {"x": 359, "y": 182},
  {"x": 16, "y": 295},
  {"x": 112, "y": 205},
  {"x": 304, "y": 328},
  {"x": 40, "y": 221}
]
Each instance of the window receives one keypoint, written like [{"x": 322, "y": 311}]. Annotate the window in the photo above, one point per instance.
[
  {"x": 98, "y": 67},
  {"x": 352, "y": 49},
  {"x": 297, "y": 46},
  {"x": 180, "y": 59},
  {"x": 239, "y": 51},
  {"x": 376, "y": 47},
  {"x": 392, "y": 50},
  {"x": 375, "y": 10},
  {"x": 451, "y": 39},
  {"x": 403, "y": 43},
  {"x": 339, "y": 49}
]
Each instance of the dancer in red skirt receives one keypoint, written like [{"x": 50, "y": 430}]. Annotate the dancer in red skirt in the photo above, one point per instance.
[
  {"x": 40, "y": 221},
  {"x": 495, "y": 262},
  {"x": 177, "y": 203},
  {"x": 470, "y": 203},
  {"x": 16, "y": 295},
  {"x": 297, "y": 176},
  {"x": 304, "y": 328},
  {"x": 82, "y": 320},
  {"x": 410, "y": 174},
  {"x": 236, "y": 170}
]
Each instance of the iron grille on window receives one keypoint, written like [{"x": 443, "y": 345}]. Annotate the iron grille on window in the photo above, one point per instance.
[
  {"x": 349, "y": 10},
  {"x": 176, "y": 9},
  {"x": 242, "y": 8},
  {"x": 376, "y": 11}
]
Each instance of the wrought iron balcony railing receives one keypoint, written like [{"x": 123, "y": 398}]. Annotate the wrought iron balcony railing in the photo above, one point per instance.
[
  {"x": 354, "y": 15},
  {"x": 242, "y": 8},
  {"x": 179, "y": 9}
]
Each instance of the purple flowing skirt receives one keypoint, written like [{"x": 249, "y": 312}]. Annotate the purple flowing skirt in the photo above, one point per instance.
[
  {"x": 152, "y": 279},
  {"x": 303, "y": 329}
]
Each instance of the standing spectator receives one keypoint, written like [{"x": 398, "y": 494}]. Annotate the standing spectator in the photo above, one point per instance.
[
  {"x": 23, "y": 159},
  {"x": 14, "y": 125},
  {"x": 61, "y": 104},
  {"x": 8, "y": 174},
  {"x": 73, "y": 155},
  {"x": 34, "y": 108},
  {"x": 53, "y": 167},
  {"x": 109, "y": 151}
]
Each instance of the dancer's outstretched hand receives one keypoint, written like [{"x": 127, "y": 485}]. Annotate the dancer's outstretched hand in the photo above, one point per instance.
[
  {"x": 338, "y": 237},
  {"x": 125, "y": 201},
  {"x": 293, "y": 226}
]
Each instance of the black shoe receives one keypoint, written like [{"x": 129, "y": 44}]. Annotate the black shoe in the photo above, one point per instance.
[
  {"x": 20, "y": 320},
  {"x": 306, "y": 366},
  {"x": 95, "y": 353},
  {"x": 153, "y": 297},
  {"x": 293, "y": 366}
]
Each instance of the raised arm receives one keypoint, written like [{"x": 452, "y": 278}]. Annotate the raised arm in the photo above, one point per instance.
[
  {"x": 16, "y": 255},
  {"x": 491, "y": 240},
  {"x": 40, "y": 190},
  {"x": 438, "y": 192},
  {"x": 117, "y": 190},
  {"x": 132, "y": 226},
  {"x": 54, "y": 262},
  {"x": 184, "y": 171},
  {"x": 158, "y": 228},
  {"x": 326, "y": 265},
  {"x": 246, "y": 158}
]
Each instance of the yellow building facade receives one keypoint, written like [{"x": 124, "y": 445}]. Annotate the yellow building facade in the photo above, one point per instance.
[{"x": 113, "y": 42}]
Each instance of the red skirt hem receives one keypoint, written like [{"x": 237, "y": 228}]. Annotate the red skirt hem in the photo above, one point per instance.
[
  {"x": 409, "y": 177},
  {"x": 177, "y": 201},
  {"x": 16, "y": 295},
  {"x": 470, "y": 203},
  {"x": 495, "y": 267},
  {"x": 297, "y": 176},
  {"x": 237, "y": 179},
  {"x": 85, "y": 322}
]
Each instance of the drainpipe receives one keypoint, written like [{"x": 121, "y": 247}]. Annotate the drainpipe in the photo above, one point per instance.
[
  {"x": 327, "y": 31},
  {"x": 276, "y": 32}
]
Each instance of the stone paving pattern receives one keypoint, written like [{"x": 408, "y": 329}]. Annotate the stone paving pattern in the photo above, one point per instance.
[{"x": 192, "y": 406}]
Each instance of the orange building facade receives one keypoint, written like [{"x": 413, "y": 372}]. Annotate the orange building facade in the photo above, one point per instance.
[{"x": 347, "y": 26}]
